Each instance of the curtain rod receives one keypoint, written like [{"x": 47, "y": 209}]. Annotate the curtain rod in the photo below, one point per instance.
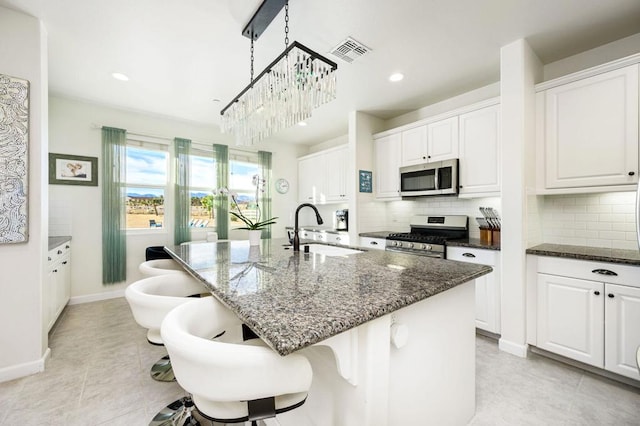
[{"x": 149, "y": 135}]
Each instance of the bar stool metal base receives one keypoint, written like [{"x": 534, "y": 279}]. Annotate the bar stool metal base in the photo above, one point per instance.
[
  {"x": 162, "y": 371},
  {"x": 178, "y": 413}
]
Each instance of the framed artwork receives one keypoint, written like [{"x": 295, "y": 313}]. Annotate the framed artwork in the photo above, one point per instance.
[
  {"x": 366, "y": 181},
  {"x": 67, "y": 169},
  {"x": 14, "y": 159}
]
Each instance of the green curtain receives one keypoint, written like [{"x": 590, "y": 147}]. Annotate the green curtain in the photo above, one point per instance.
[
  {"x": 264, "y": 167},
  {"x": 114, "y": 243},
  {"x": 181, "y": 231},
  {"x": 221, "y": 153}
]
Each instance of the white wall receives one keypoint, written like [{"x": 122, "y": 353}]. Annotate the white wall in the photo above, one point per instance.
[
  {"x": 23, "y": 336},
  {"x": 76, "y": 210}
]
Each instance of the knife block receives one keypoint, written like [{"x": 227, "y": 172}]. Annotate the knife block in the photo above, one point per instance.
[
  {"x": 495, "y": 236},
  {"x": 486, "y": 235}
]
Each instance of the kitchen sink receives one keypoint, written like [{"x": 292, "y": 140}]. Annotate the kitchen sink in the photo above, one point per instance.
[{"x": 331, "y": 250}]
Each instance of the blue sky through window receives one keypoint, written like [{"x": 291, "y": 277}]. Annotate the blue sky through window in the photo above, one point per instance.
[{"x": 146, "y": 167}]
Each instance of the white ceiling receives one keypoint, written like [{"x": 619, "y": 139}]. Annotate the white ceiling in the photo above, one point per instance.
[{"x": 181, "y": 55}]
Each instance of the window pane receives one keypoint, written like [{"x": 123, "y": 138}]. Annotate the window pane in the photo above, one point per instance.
[
  {"x": 203, "y": 172},
  {"x": 146, "y": 166},
  {"x": 247, "y": 205},
  {"x": 145, "y": 207},
  {"x": 202, "y": 211},
  {"x": 241, "y": 176}
]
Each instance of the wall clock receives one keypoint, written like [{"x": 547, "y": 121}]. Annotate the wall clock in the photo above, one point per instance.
[{"x": 282, "y": 186}]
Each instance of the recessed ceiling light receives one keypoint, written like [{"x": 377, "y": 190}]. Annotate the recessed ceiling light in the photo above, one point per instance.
[
  {"x": 302, "y": 123},
  {"x": 120, "y": 76},
  {"x": 396, "y": 77}
]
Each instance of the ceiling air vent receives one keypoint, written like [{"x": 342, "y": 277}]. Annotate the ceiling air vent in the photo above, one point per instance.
[{"x": 349, "y": 50}]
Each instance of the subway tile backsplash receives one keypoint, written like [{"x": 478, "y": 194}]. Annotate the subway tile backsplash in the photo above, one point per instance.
[{"x": 594, "y": 220}]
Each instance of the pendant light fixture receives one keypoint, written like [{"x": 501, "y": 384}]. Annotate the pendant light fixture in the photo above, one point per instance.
[{"x": 285, "y": 93}]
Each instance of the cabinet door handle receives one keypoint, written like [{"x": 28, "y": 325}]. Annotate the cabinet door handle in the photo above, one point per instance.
[
  {"x": 66, "y": 247},
  {"x": 374, "y": 243},
  {"x": 338, "y": 238},
  {"x": 604, "y": 272},
  {"x": 59, "y": 251},
  {"x": 632, "y": 173},
  {"x": 55, "y": 270},
  {"x": 64, "y": 263},
  {"x": 611, "y": 295},
  {"x": 468, "y": 255},
  {"x": 597, "y": 293}
]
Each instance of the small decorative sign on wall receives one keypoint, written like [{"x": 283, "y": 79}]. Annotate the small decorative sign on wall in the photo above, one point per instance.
[
  {"x": 366, "y": 181},
  {"x": 14, "y": 138}
]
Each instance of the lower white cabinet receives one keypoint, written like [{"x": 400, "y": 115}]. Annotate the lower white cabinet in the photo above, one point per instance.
[
  {"x": 58, "y": 287},
  {"x": 487, "y": 286},
  {"x": 594, "y": 321},
  {"x": 373, "y": 243},
  {"x": 325, "y": 237}
]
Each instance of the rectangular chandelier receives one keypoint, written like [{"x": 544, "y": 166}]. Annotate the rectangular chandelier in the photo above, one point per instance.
[{"x": 284, "y": 94}]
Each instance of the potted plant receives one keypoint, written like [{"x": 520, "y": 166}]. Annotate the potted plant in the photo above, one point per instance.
[{"x": 254, "y": 227}]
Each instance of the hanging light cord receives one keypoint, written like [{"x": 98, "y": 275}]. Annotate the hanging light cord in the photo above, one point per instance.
[{"x": 251, "y": 82}]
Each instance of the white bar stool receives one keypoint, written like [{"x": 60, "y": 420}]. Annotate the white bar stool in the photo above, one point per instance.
[
  {"x": 153, "y": 268},
  {"x": 230, "y": 382}
]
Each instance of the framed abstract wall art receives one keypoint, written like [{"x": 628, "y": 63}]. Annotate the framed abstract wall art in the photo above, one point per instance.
[
  {"x": 67, "y": 169},
  {"x": 14, "y": 139}
]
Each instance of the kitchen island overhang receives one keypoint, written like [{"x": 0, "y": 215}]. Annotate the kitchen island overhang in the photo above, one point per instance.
[
  {"x": 401, "y": 328},
  {"x": 292, "y": 299}
]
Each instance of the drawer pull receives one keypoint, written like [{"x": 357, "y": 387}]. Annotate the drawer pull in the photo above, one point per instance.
[
  {"x": 374, "y": 243},
  {"x": 604, "y": 272},
  {"x": 66, "y": 247},
  {"x": 597, "y": 293},
  {"x": 59, "y": 251},
  {"x": 611, "y": 295},
  {"x": 338, "y": 238},
  {"x": 468, "y": 255},
  {"x": 64, "y": 263}
]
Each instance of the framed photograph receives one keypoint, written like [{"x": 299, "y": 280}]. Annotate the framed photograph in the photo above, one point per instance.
[{"x": 73, "y": 170}]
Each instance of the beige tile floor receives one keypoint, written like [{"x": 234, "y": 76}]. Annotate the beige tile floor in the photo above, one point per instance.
[{"x": 98, "y": 374}]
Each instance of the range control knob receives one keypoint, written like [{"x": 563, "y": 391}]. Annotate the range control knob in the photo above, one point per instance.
[
  {"x": 410, "y": 245},
  {"x": 428, "y": 247}
]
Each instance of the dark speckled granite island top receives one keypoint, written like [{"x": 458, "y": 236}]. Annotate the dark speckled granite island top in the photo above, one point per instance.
[
  {"x": 597, "y": 254},
  {"x": 293, "y": 300}
]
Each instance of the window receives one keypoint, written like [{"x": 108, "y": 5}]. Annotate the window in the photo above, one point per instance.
[
  {"x": 202, "y": 178},
  {"x": 241, "y": 175},
  {"x": 146, "y": 184}
]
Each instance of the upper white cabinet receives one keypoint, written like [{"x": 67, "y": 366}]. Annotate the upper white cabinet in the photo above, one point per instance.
[
  {"x": 322, "y": 177},
  {"x": 590, "y": 131},
  {"x": 430, "y": 142},
  {"x": 480, "y": 151},
  {"x": 387, "y": 160}
]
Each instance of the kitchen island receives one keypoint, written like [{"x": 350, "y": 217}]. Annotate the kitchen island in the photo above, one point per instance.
[{"x": 390, "y": 336}]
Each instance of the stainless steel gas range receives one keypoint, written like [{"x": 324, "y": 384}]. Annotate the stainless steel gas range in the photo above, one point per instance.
[{"x": 429, "y": 235}]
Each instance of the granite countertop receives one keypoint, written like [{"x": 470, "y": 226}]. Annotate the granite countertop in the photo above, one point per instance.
[
  {"x": 473, "y": 243},
  {"x": 293, "y": 300},
  {"x": 598, "y": 254},
  {"x": 56, "y": 241}
]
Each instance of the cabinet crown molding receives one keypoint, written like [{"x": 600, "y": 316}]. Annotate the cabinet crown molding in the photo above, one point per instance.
[
  {"x": 589, "y": 72},
  {"x": 440, "y": 117}
]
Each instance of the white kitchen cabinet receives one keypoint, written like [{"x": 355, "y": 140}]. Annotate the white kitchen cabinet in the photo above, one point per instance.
[
  {"x": 335, "y": 172},
  {"x": 435, "y": 141},
  {"x": 373, "y": 243},
  {"x": 589, "y": 311},
  {"x": 58, "y": 290},
  {"x": 479, "y": 167},
  {"x": 487, "y": 286},
  {"x": 571, "y": 318},
  {"x": 590, "y": 131},
  {"x": 340, "y": 238},
  {"x": 622, "y": 338},
  {"x": 387, "y": 172},
  {"x": 322, "y": 177}
]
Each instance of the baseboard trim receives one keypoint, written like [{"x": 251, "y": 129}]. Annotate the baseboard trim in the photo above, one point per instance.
[
  {"x": 26, "y": 369},
  {"x": 76, "y": 300},
  {"x": 512, "y": 348}
]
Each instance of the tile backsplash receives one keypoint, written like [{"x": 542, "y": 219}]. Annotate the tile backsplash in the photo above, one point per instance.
[{"x": 594, "y": 220}]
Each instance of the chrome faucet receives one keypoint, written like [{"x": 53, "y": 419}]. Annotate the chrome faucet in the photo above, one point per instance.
[{"x": 296, "y": 239}]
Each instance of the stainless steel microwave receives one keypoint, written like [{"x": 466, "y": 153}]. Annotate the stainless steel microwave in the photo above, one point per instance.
[{"x": 437, "y": 178}]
